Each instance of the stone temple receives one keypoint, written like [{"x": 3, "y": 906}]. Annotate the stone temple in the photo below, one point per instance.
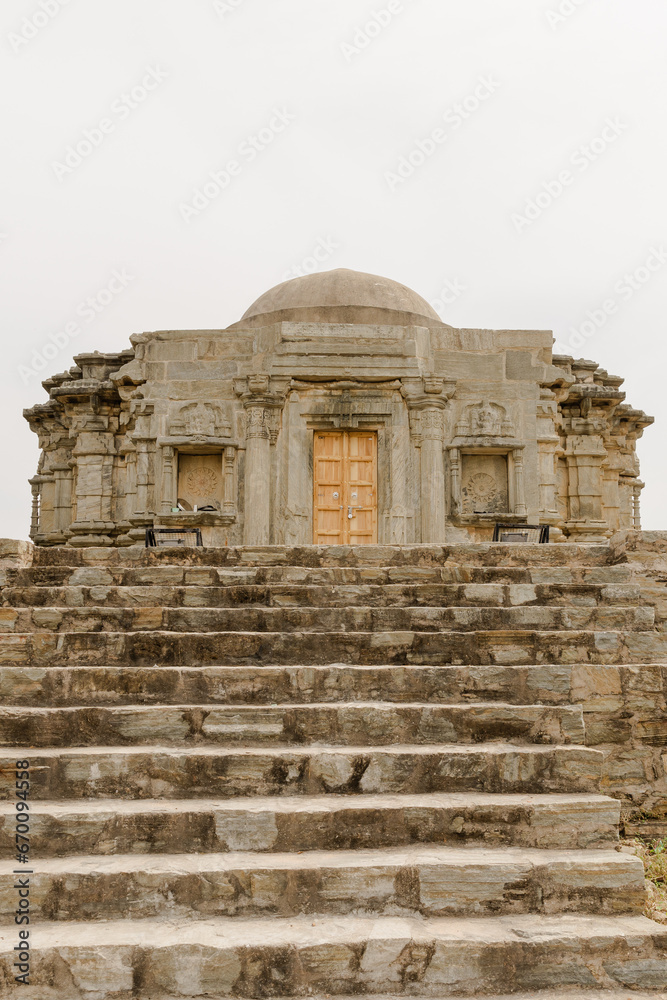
[
  {"x": 397, "y": 763},
  {"x": 339, "y": 410}
]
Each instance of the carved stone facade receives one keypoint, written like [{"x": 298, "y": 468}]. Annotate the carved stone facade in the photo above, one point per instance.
[{"x": 471, "y": 426}]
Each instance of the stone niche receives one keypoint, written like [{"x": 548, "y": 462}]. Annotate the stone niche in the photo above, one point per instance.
[
  {"x": 484, "y": 484},
  {"x": 200, "y": 481}
]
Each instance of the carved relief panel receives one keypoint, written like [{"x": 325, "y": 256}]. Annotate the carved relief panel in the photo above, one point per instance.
[
  {"x": 200, "y": 421},
  {"x": 200, "y": 480},
  {"x": 484, "y": 484},
  {"x": 485, "y": 419}
]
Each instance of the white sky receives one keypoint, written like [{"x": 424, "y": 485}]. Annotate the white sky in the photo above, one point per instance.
[{"x": 323, "y": 178}]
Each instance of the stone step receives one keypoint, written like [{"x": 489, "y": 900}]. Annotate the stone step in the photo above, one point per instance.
[
  {"x": 289, "y": 595},
  {"x": 340, "y": 724},
  {"x": 558, "y": 994},
  {"x": 470, "y": 554},
  {"x": 601, "y": 687},
  {"x": 322, "y": 822},
  {"x": 200, "y": 771},
  {"x": 509, "y": 646},
  {"x": 155, "y": 575},
  {"x": 432, "y": 957},
  {"x": 427, "y": 880},
  {"x": 348, "y": 619}
]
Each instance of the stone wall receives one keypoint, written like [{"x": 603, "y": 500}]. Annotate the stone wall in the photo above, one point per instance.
[
  {"x": 473, "y": 427},
  {"x": 629, "y": 718}
]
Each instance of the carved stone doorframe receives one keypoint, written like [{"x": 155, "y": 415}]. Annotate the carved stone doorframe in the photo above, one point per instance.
[{"x": 361, "y": 406}]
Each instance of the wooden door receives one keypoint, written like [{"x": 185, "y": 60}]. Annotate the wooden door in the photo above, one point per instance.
[
  {"x": 345, "y": 488},
  {"x": 361, "y": 492},
  {"x": 328, "y": 476}
]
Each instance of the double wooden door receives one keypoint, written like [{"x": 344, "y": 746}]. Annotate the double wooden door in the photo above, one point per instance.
[{"x": 345, "y": 488}]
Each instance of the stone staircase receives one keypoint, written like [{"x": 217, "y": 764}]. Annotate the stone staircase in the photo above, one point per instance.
[{"x": 279, "y": 772}]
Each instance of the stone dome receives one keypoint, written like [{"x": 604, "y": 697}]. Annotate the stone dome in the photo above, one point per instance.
[{"x": 341, "y": 296}]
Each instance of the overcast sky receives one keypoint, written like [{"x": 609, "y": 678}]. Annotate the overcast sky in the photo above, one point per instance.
[{"x": 511, "y": 151}]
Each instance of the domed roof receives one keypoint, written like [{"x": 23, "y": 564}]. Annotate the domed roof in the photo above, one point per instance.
[{"x": 341, "y": 296}]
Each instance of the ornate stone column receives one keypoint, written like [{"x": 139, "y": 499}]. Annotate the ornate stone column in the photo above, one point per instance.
[
  {"x": 93, "y": 452},
  {"x": 427, "y": 400},
  {"x": 636, "y": 505},
  {"x": 257, "y": 476},
  {"x": 548, "y": 444},
  {"x": 229, "y": 483},
  {"x": 455, "y": 478},
  {"x": 143, "y": 437},
  {"x": 263, "y": 399},
  {"x": 585, "y": 454},
  {"x": 62, "y": 505},
  {"x": 36, "y": 487},
  {"x": 168, "y": 486},
  {"x": 432, "y": 474},
  {"x": 519, "y": 489}
]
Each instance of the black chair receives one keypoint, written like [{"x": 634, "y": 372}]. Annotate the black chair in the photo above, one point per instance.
[
  {"x": 531, "y": 534},
  {"x": 159, "y": 538}
]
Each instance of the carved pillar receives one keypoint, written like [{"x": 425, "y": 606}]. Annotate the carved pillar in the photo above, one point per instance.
[
  {"x": 636, "y": 505},
  {"x": 611, "y": 495},
  {"x": 143, "y": 438},
  {"x": 432, "y": 475},
  {"x": 584, "y": 459},
  {"x": 519, "y": 489},
  {"x": 257, "y": 477},
  {"x": 47, "y": 504},
  {"x": 144, "y": 442},
  {"x": 229, "y": 484},
  {"x": 263, "y": 399},
  {"x": 548, "y": 443},
  {"x": 94, "y": 454},
  {"x": 584, "y": 455},
  {"x": 62, "y": 504},
  {"x": 143, "y": 477},
  {"x": 131, "y": 488},
  {"x": 168, "y": 486},
  {"x": 35, "y": 486},
  {"x": 427, "y": 400},
  {"x": 455, "y": 479}
]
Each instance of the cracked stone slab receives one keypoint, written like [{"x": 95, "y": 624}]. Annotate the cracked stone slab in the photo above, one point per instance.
[{"x": 444, "y": 956}]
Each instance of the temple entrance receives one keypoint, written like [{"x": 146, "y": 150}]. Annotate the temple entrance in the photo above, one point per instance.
[{"x": 345, "y": 488}]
